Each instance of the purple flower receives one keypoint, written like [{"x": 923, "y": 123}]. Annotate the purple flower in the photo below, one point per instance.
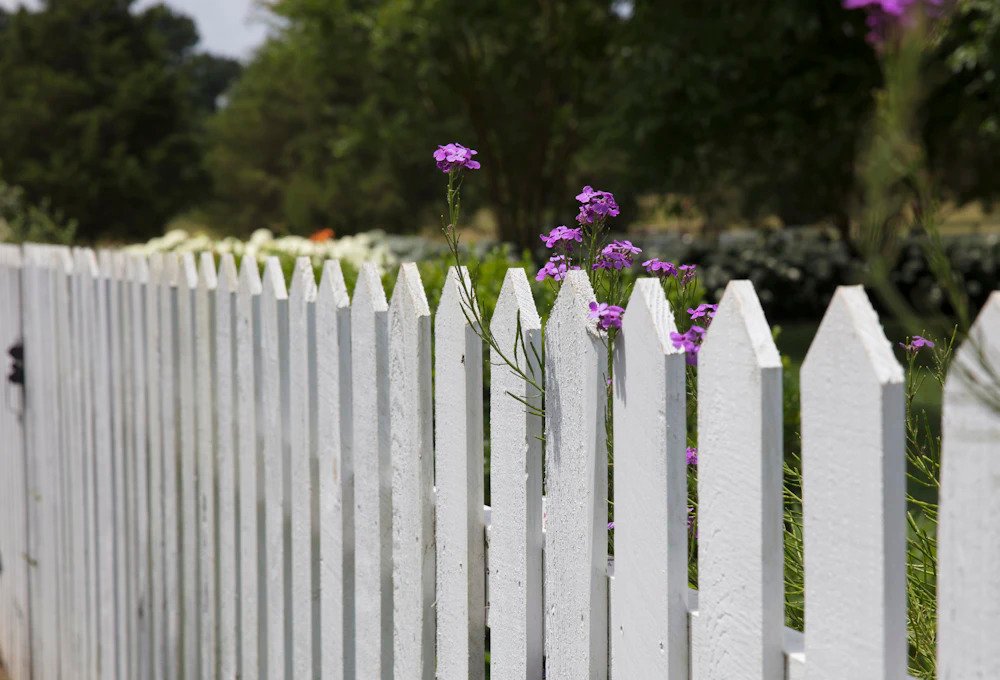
[
  {"x": 611, "y": 526},
  {"x": 690, "y": 342},
  {"x": 616, "y": 255},
  {"x": 916, "y": 343},
  {"x": 454, "y": 156},
  {"x": 608, "y": 316},
  {"x": 657, "y": 267},
  {"x": 703, "y": 310},
  {"x": 562, "y": 234},
  {"x": 692, "y": 455},
  {"x": 595, "y": 205},
  {"x": 556, "y": 267},
  {"x": 687, "y": 272},
  {"x": 886, "y": 15}
]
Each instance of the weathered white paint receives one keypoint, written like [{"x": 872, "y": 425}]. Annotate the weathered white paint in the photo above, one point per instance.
[
  {"x": 372, "y": 478},
  {"x": 854, "y": 497},
  {"x": 649, "y": 590},
  {"x": 154, "y": 389},
  {"x": 140, "y": 348},
  {"x": 249, "y": 465},
  {"x": 205, "y": 465},
  {"x": 458, "y": 418},
  {"x": 15, "y": 623},
  {"x": 335, "y": 476},
  {"x": 969, "y": 531},
  {"x": 274, "y": 350},
  {"x": 225, "y": 429},
  {"x": 576, "y": 620},
  {"x": 515, "y": 551},
  {"x": 299, "y": 456},
  {"x": 740, "y": 554},
  {"x": 187, "y": 410},
  {"x": 170, "y": 461},
  {"x": 412, "y": 454}
]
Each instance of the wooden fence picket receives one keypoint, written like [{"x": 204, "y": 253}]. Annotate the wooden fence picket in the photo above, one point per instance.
[
  {"x": 412, "y": 453},
  {"x": 854, "y": 496},
  {"x": 335, "y": 475},
  {"x": 249, "y": 466},
  {"x": 739, "y": 515},
  {"x": 576, "y": 547},
  {"x": 225, "y": 435},
  {"x": 649, "y": 590},
  {"x": 274, "y": 357},
  {"x": 15, "y": 623},
  {"x": 301, "y": 346},
  {"x": 969, "y": 534},
  {"x": 515, "y": 557},
  {"x": 372, "y": 477},
  {"x": 205, "y": 461},
  {"x": 458, "y": 420},
  {"x": 170, "y": 555}
]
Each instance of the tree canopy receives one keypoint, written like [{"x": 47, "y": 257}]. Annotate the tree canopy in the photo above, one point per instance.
[{"x": 101, "y": 111}]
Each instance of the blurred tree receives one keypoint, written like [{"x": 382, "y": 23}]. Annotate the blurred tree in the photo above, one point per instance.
[
  {"x": 334, "y": 122},
  {"x": 100, "y": 110}
]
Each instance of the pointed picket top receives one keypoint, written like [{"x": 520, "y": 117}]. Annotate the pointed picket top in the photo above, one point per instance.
[
  {"x": 453, "y": 306},
  {"x": 576, "y": 637},
  {"x": 154, "y": 267},
  {"x": 208, "y": 278},
  {"x": 332, "y": 286},
  {"x": 854, "y": 488},
  {"x": 515, "y": 301},
  {"x": 303, "y": 285},
  {"x": 86, "y": 262},
  {"x": 228, "y": 277},
  {"x": 649, "y": 592},
  {"x": 412, "y": 458},
  {"x": 409, "y": 294},
  {"x": 368, "y": 291},
  {"x": 250, "y": 282},
  {"x": 105, "y": 263},
  {"x": 170, "y": 273},
  {"x": 969, "y": 534},
  {"x": 740, "y": 577},
  {"x": 64, "y": 259},
  {"x": 273, "y": 280},
  {"x": 188, "y": 273},
  {"x": 515, "y": 561}
]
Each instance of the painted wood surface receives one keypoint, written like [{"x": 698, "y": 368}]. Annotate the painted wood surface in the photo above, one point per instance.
[
  {"x": 969, "y": 535},
  {"x": 515, "y": 552},
  {"x": 225, "y": 424},
  {"x": 205, "y": 461},
  {"x": 154, "y": 391},
  {"x": 187, "y": 440},
  {"x": 412, "y": 454},
  {"x": 854, "y": 496},
  {"x": 576, "y": 619},
  {"x": 274, "y": 359},
  {"x": 335, "y": 475},
  {"x": 649, "y": 589},
  {"x": 372, "y": 478},
  {"x": 249, "y": 452},
  {"x": 740, "y": 554},
  {"x": 301, "y": 345},
  {"x": 458, "y": 418}
]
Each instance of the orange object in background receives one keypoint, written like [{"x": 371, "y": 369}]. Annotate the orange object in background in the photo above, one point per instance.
[{"x": 322, "y": 235}]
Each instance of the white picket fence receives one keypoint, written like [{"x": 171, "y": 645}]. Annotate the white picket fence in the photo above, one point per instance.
[{"x": 212, "y": 477}]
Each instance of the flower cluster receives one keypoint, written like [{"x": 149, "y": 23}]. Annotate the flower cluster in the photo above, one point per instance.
[
  {"x": 886, "y": 15},
  {"x": 454, "y": 156},
  {"x": 556, "y": 267},
  {"x": 562, "y": 235},
  {"x": 608, "y": 316},
  {"x": 692, "y": 455},
  {"x": 616, "y": 255},
  {"x": 690, "y": 342},
  {"x": 916, "y": 343},
  {"x": 595, "y": 205},
  {"x": 684, "y": 273},
  {"x": 704, "y": 310}
]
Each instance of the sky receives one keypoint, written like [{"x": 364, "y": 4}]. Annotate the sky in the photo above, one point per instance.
[{"x": 229, "y": 27}]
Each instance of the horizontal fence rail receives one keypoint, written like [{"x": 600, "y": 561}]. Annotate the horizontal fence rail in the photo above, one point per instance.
[{"x": 208, "y": 474}]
